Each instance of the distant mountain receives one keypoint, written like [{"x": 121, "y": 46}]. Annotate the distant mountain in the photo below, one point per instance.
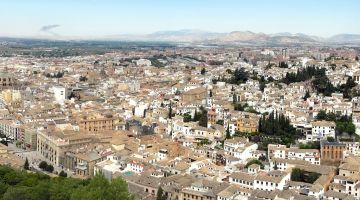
[
  {"x": 234, "y": 38},
  {"x": 345, "y": 38},
  {"x": 186, "y": 35},
  {"x": 240, "y": 36}
]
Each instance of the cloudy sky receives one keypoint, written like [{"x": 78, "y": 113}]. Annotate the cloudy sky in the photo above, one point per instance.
[{"x": 98, "y": 18}]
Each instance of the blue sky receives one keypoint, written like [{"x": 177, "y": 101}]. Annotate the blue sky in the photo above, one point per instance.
[{"x": 96, "y": 18}]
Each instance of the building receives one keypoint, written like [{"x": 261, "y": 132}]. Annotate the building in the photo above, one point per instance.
[
  {"x": 332, "y": 151},
  {"x": 96, "y": 122},
  {"x": 321, "y": 130},
  {"x": 281, "y": 151},
  {"x": 60, "y": 94},
  {"x": 203, "y": 189},
  {"x": 30, "y": 138},
  {"x": 247, "y": 123},
  {"x": 6, "y": 81},
  {"x": 85, "y": 163},
  {"x": 356, "y": 76},
  {"x": 197, "y": 94},
  {"x": 52, "y": 144},
  {"x": 11, "y": 128}
]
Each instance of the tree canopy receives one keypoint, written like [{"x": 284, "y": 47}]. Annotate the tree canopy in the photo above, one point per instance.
[
  {"x": 258, "y": 162},
  {"x": 344, "y": 123},
  {"x": 303, "y": 75},
  {"x": 15, "y": 185}
]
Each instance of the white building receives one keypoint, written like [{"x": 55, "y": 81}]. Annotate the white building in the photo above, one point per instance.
[
  {"x": 60, "y": 93},
  {"x": 321, "y": 130},
  {"x": 274, "y": 180},
  {"x": 281, "y": 151},
  {"x": 240, "y": 148}
]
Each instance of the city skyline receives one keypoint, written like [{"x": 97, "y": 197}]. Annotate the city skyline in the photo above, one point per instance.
[{"x": 97, "y": 19}]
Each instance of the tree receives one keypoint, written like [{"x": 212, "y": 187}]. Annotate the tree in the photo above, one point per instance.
[
  {"x": 49, "y": 168},
  {"x": 310, "y": 145},
  {"x": 228, "y": 136},
  {"x": 63, "y": 174},
  {"x": 170, "y": 112},
  {"x": 254, "y": 161},
  {"x": 203, "y": 120},
  {"x": 344, "y": 123},
  {"x": 187, "y": 117},
  {"x": 304, "y": 176},
  {"x": 321, "y": 115},
  {"x": 234, "y": 98},
  {"x": 203, "y": 71},
  {"x": 100, "y": 188},
  {"x": 20, "y": 185},
  {"x": 43, "y": 165},
  {"x": 26, "y": 164},
  {"x": 283, "y": 64},
  {"x": 275, "y": 166},
  {"x": 307, "y": 95},
  {"x": 197, "y": 115},
  {"x": 323, "y": 85},
  {"x": 239, "y": 76},
  {"x": 262, "y": 86},
  {"x": 161, "y": 195},
  {"x": 278, "y": 126},
  {"x": 262, "y": 158},
  {"x": 16, "y": 193},
  {"x": 330, "y": 139},
  {"x": 83, "y": 78},
  {"x": 220, "y": 122},
  {"x": 210, "y": 93}
]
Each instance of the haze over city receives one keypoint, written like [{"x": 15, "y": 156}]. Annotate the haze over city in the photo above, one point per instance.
[{"x": 99, "y": 19}]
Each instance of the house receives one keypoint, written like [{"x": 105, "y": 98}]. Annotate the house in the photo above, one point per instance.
[
  {"x": 240, "y": 148},
  {"x": 321, "y": 130},
  {"x": 197, "y": 94},
  {"x": 273, "y": 180},
  {"x": 281, "y": 151}
]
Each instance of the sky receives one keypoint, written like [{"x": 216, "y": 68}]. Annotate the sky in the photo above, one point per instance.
[{"x": 100, "y": 18}]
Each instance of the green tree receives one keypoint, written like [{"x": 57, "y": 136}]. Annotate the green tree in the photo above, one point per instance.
[
  {"x": 228, "y": 136},
  {"x": 234, "y": 98},
  {"x": 18, "y": 193},
  {"x": 43, "y": 165},
  {"x": 100, "y": 188},
  {"x": 254, "y": 161},
  {"x": 203, "y": 71},
  {"x": 330, "y": 139},
  {"x": 83, "y": 78},
  {"x": 220, "y": 122},
  {"x": 63, "y": 174},
  {"x": 321, "y": 115},
  {"x": 49, "y": 168},
  {"x": 170, "y": 112},
  {"x": 275, "y": 166},
  {"x": 307, "y": 95},
  {"x": 161, "y": 195},
  {"x": 26, "y": 164},
  {"x": 187, "y": 117},
  {"x": 239, "y": 76},
  {"x": 203, "y": 120},
  {"x": 304, "y": 176}
]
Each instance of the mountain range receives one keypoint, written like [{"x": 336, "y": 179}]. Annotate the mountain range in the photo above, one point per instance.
[
  {"x": 240, "y": 37},
  {"x": 192, "y": 37}
]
